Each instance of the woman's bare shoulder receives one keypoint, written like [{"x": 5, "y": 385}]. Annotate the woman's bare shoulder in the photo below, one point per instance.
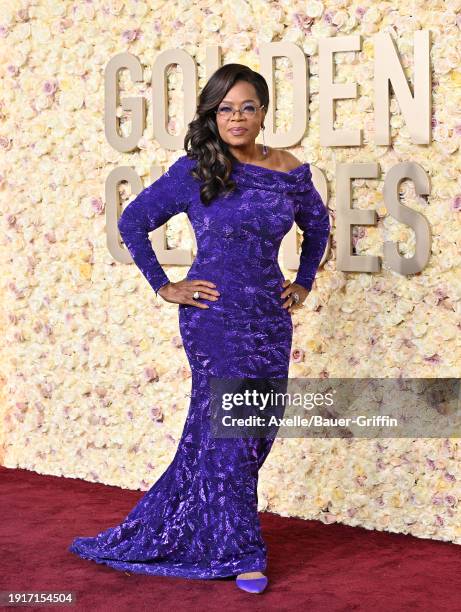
[{"x": 288, "y": 161}]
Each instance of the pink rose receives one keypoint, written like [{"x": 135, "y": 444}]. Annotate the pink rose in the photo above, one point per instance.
[{"x": 297, "y": 355}]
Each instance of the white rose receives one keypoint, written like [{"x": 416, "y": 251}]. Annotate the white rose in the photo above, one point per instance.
[
  {"x": 310, "y": 47},
  {"x": 340, "y": 18},
  {"x": 212, "y": 23},
  {"x": 372, "y": 15},
  {"x": 314, "y": 9},
  {"x": 322, "y": 29},
  {"x": 41, "y": 33}
]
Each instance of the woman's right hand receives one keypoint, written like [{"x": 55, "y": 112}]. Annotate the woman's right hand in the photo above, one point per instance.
[{"x": 182, "y": 292}]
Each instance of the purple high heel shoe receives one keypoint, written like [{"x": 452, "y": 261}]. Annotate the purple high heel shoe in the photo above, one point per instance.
[{"x": 252, "y": 585}]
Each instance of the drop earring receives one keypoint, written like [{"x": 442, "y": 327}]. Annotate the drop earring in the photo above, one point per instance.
[{"x": 264, "y": 144}]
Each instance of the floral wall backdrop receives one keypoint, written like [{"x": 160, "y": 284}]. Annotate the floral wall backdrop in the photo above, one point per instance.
[{"x": 89, "y": 390}]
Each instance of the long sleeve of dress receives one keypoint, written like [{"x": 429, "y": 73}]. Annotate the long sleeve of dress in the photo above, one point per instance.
[
  {"x": 313, "y": 219},
  {"x": 150, "y": 209}
]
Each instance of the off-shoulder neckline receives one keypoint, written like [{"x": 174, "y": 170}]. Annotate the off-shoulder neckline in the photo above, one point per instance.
[{"x": 265, "y": 169}]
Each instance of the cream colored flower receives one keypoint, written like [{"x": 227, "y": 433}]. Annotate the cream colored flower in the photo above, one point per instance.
[
  {"x": 313, "y": 8},
  {"x": 213, "y": 23}
]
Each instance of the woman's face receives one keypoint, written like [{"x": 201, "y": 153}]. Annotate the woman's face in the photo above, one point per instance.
[{"x": 240, "y": 129}]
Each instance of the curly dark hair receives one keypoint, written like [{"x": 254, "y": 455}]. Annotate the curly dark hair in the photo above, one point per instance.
[{"x": 202, "y": 140}]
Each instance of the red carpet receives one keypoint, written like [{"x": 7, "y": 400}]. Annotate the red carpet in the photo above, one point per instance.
[{"x": 311, "y": 565}]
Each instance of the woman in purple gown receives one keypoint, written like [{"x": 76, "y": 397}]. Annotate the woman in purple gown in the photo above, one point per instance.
[{"x": 200, "y": 518}]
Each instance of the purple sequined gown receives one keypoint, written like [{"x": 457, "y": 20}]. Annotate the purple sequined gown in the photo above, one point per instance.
[{"x": 200, "y": 518}]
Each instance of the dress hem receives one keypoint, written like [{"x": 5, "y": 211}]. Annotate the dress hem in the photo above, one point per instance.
[{"x": 174, "y": 572}]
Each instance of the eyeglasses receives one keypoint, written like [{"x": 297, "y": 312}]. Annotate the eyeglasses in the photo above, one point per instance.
[{"x": 247, "y": 110}]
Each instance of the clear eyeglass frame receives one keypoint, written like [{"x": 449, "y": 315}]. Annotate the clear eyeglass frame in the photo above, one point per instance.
[{"x": 227, "y": 115}]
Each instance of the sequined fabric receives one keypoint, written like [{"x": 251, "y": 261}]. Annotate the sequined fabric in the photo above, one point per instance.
[{"x": 200, "y": 518}]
